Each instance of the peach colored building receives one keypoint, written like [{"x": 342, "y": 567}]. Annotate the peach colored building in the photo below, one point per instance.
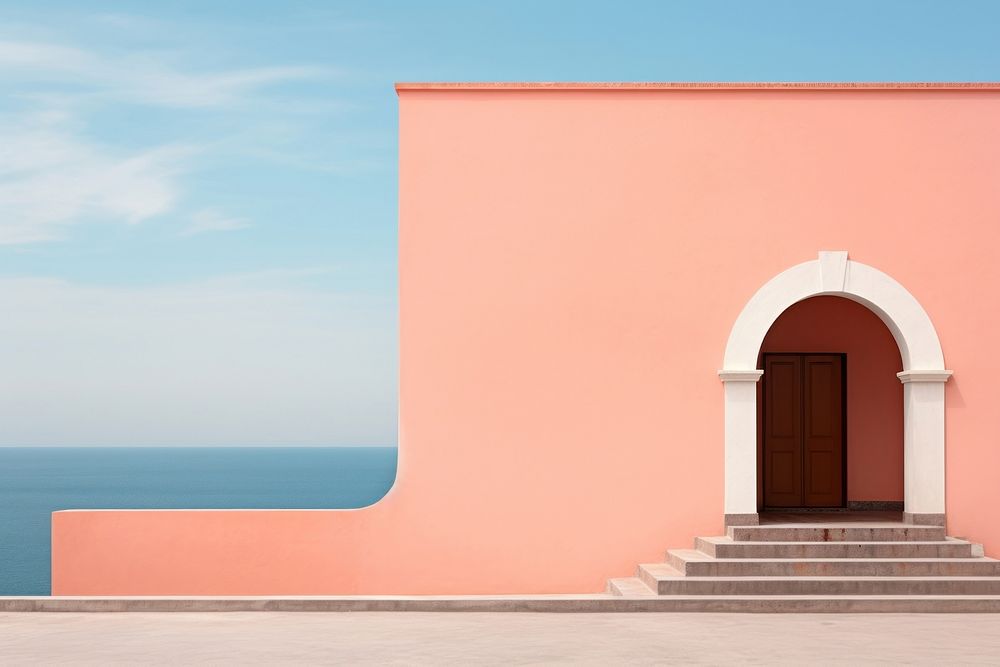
[{"x": 593, "y": 280}]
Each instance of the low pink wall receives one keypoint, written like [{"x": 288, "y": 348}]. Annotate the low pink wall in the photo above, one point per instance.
[
  {"x": 874, "y": 393},
  {"x": 571, "y": 262}
]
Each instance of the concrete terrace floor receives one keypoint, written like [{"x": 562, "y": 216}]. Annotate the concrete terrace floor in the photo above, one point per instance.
[{"x": 389, "y": 638}]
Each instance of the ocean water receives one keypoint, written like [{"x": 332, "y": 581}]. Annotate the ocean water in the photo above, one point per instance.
[{"x": 36, "y": 481}]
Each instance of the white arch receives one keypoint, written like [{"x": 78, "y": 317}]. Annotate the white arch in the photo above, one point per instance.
[{"x": 923, "y": 378}]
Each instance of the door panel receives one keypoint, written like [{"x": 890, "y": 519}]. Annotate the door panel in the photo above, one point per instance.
[
  {"x": 823, "y": 442},
  {"x": 783, "y": 432},
  {"x": 803, "y": 430}
]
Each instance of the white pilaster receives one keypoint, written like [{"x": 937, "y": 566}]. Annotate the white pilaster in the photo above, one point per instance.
[
  {"x": 923, "y": 442},
  {"x": 741, "y": 441}
]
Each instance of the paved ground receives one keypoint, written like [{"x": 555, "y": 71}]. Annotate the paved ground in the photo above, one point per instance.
[{"x": 496, "y": 638}]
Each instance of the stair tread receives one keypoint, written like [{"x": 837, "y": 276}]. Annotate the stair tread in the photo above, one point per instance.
[
  {"x": 828, "y": 597},
  {"x": 662, "y": 569},
  {"x": 659, "y": 573},
  {"x": 819, "y": 532},
  {"x": 695, "y": 555},
  {"x": 838, "y": 525},
  {"x": 632, "y": 587},
  {"x": 725, "y": 539}
]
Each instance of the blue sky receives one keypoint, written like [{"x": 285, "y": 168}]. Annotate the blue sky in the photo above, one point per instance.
[{"x": 198, "y": 199}]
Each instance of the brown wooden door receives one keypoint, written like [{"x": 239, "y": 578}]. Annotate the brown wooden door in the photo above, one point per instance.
[{"x": 803, "y": 430}]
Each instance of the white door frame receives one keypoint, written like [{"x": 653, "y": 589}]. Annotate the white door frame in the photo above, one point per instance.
[{"x": 923, "y": 378}]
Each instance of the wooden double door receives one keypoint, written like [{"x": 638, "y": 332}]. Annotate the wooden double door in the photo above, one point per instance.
[{"x": 804, "y": 443}]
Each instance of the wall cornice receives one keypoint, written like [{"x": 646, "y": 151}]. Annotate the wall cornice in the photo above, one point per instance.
[{"x": 698, "y": 85}]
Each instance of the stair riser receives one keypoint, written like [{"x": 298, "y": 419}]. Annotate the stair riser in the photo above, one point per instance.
[
  {"x": 822, "y": 606},
  {"x": 854, "y": 534},
  {"x": 888, "y": 586},
  {"x": 834, "y": 550},
  {"x": 804, "y": 606},
  {"x": 787, "y": 606},
  {"x": 844, "y": 569}
]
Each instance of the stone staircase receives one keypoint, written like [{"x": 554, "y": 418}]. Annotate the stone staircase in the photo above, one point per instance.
[{"x": 810, "y": 564}]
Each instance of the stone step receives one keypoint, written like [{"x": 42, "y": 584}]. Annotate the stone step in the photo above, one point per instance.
[
  {"x": 805, "y": 604},
  {"x": 665, "y": 580},
  {"x": 694, "y": 563},
  {"x": 606, "y": 603},
  {"x": 651, "y": 574},
  {"x": 629, "y": 587},
  {"x": 726, "y": 547},
  {"x": 858, "y": 532}
]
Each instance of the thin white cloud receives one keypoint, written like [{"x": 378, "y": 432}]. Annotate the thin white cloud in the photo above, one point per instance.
[
  {"x": 140, "y": 78},
  {"x": 213, "y": 220},
  {"x": 37, "y": 58},
  {"x": 130, "y": 22},
  {"x": 51, "y": 179},
  {"x": 54, "y": 171},
  {"x": 53, "y": 176},
  {"x": 230, "y": 361}
]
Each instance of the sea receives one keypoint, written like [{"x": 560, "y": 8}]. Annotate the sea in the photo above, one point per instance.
[{"x": 36, "y": 481}]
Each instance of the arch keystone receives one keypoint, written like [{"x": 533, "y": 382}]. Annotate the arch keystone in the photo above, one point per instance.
[{"x": 833, "y": 270}]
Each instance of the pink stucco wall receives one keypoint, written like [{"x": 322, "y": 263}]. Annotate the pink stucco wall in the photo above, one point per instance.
[
  {"x": 874, "y": 393},
  {"x": 571, "y": 262}
]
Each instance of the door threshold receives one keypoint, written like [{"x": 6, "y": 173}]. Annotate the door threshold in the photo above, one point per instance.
[{"x": 804, "y": 510}]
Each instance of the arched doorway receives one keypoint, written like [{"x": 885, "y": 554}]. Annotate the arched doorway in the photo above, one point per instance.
[
  {"x": 923, "y": 377},
  {"x": 830, "y": 439}
]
